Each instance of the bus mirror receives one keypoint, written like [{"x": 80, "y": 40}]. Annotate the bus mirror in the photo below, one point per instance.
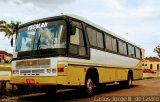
[
  {"x": 11, "y": 42},
  {"x": 72, "y": 29}
]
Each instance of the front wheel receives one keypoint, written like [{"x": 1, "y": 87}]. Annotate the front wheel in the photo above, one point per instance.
[{"x": 89, "y": 86}]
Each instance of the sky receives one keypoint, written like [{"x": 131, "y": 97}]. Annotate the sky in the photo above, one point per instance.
[{"x": 135, "y": 20}]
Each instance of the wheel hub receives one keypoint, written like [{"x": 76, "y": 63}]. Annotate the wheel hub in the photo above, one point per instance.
[{"x": 89, "y": 85}]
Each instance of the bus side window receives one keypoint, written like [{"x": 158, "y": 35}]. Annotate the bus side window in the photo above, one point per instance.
[
  {"x": 77, "y": 45},
  {"x": 138, "y": 54},
  {"x": 114, "y": 45},
  {"x": 92, "y": 35},
  {"x": 131, "y": 51},
  {"x": 122, "y": 46},
  {"x": 108, "y": 41}
]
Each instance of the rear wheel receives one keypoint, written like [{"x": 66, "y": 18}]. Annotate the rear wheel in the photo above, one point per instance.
[{"x": 127, "y": 83}]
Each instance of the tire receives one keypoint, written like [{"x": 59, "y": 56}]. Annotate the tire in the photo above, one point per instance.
[
  {"x": 89, "y": 86},
  {"x": 127, "y": 83}
]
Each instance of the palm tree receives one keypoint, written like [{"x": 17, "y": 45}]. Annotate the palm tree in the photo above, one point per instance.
[
  {"x": 157, "y": 50},
  {"x": 9, "y": 29}
]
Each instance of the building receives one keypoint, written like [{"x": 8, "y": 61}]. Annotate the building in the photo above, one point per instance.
[
  {"x": 151, "y": 63},
  {"x": 5, "y": 57}
]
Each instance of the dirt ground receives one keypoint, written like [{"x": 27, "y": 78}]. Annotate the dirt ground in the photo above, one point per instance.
[{"x": 146, "y": 90}]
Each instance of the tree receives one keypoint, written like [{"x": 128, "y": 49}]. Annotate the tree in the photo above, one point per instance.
[
  {"x": 9, "y": 29},
  {"x": 157, "y": 49}
]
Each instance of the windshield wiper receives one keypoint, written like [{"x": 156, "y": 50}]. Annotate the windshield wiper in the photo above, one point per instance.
[{"x": 38, "y": 45}]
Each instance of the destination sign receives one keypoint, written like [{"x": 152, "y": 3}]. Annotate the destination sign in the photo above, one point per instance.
[{"x": 39, "y": 25}]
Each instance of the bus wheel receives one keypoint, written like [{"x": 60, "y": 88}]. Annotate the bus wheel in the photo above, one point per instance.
[
  {"x": 127, "y": 83},
  {"x": 89, "y": 86}
]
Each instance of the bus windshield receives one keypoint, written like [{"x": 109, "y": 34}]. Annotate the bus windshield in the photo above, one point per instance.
[{"x": 48, "y": 35}]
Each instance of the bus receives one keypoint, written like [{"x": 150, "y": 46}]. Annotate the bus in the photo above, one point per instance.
[{"x": 70, "y": 51}]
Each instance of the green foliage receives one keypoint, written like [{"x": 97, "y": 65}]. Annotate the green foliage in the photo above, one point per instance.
[
  {"x": 157, "y": 49},
  {"x": 9, "y": 28}
]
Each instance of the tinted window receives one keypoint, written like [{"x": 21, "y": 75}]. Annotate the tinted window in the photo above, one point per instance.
[
  {"x": 124, "y": 48},
  {"x": 77, "y": 38},
  {"x": 108, "y": 42},
  {"x": 100, "y": 40},
  {"x": 92, "y": 36},
  {"x": 114, "y": 44},
  {"x": 95, "y": 38},
  {"x": 120, "y": 46},
  {"x": 77, "y": 45},
  {"x": 131, "y": 51},
  {"x": 138, "y": 54},
  {"x": 73, "y": 49}
]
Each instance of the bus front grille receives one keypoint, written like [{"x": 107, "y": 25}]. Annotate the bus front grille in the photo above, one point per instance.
[
  {"x": 32, "y": 71},
  {"x": 38, "y": 71}
]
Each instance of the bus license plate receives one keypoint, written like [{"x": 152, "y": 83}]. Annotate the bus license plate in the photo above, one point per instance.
[{"x": 30, "y": 81}]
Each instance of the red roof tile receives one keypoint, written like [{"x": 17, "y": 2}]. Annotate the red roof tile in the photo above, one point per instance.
[
  {"x": 3, "y": 52},
  {"x": 153, "y": 59}
]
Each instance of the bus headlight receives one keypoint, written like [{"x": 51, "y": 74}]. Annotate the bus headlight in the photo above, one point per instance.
[
  {"x": 15, "y": 71},
  {"x": 53, "y": 70},
  {"x": 48, "y": 70}
]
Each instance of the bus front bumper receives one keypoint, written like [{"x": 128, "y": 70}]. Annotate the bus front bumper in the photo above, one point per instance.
[{"x": 38, "y": 80}]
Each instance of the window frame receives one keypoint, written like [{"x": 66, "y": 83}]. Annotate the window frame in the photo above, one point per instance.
[
  {"x": 97, "y": 30},
  {"x": 140, "y": 55},
  {"x": 86, "y": 56},
  {"x": 120, "y": 46},
  {"x": 102, "y": 42},
  {"x": 105, "y": 35},
  {"x": 132, "y": 49}
]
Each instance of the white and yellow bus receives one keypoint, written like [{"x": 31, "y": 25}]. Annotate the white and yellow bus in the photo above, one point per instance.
[{"x": 68, "y": 50}]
